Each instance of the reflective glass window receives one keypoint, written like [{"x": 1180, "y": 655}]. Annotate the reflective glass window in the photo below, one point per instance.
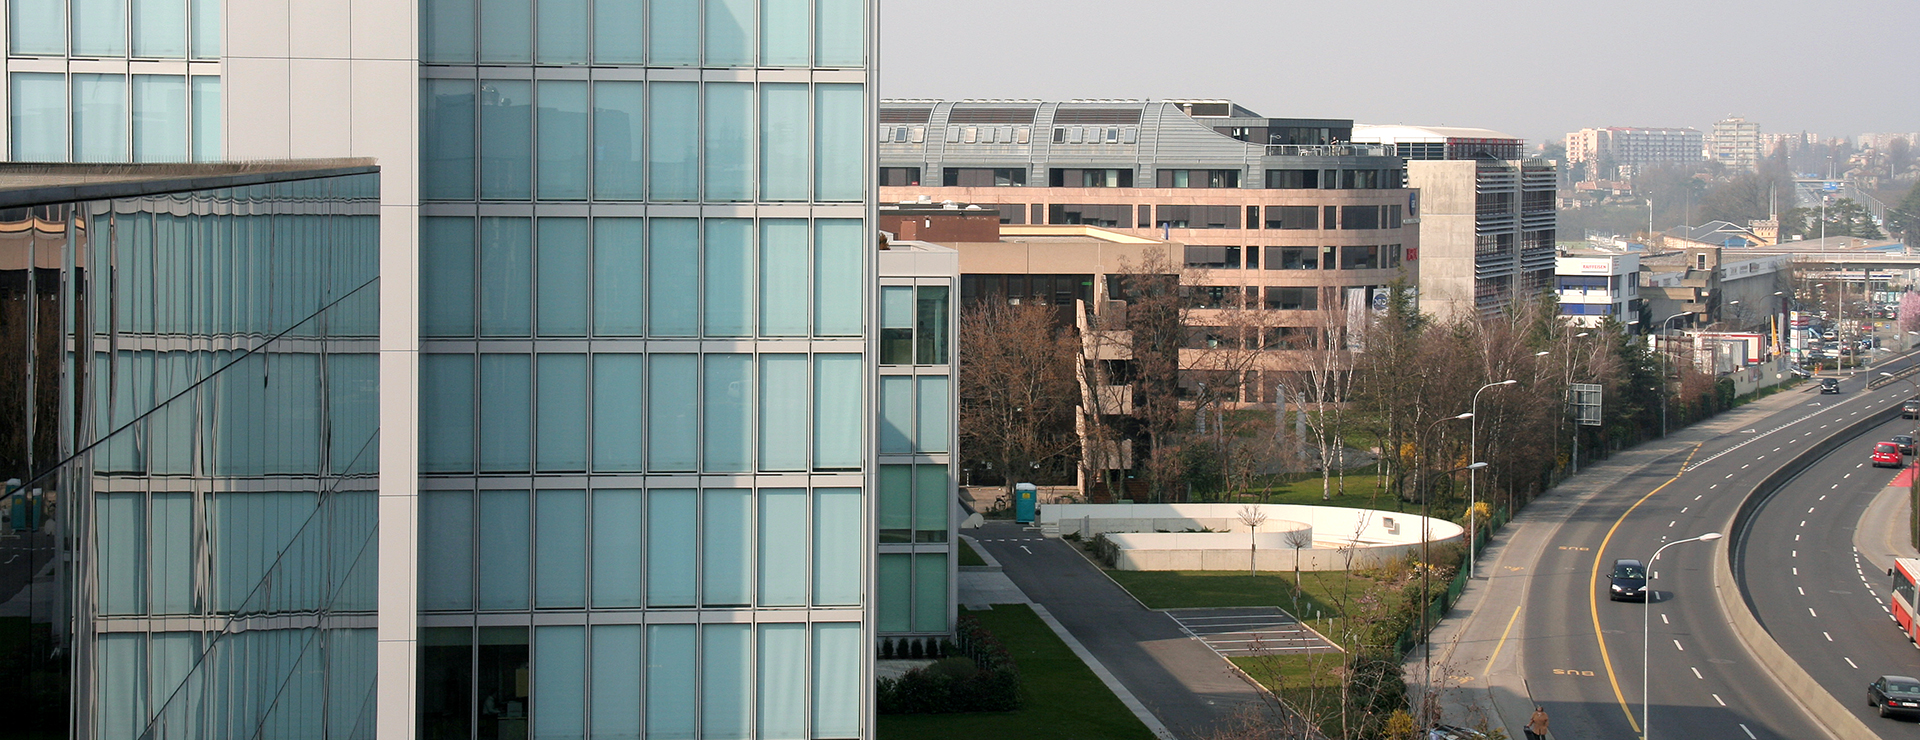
[
  {"x": 619, "y": 40},
  {"x": 839, "y": 541},
  {"x": 782, "y": 685},
  {"x": 727, "y": 547},
  {"x": 563, "y": 139},
  {"x": 562, "y": 436},
  {"x": 559, "y": 578},
  {"x": 205, "y": 37},
  {"x": 619, "y": 277},
  {"x": 446, "y": 550},
  {"x": 675, "y": 32},
  {"x": 783, "y": 142},
  {"x": 836, "y": 679},
  {"x": 506, "y": 139},
  {"x": 618, "y": 131},
  {"x": 896, "y": 414},
  {"x": 504, "y": 573},
  {"x": 159, "y": 118},
  {"x": 932, "y": 500},
  {"x": 617, "y": 547},
  {"x": 99, "y": 28},
  {"x": 840, "y": 137},
  {"x": 207, "y": 137},
  {"x": 839, "y": 250},
  {"x": 673, "y": 145},
  {"x": 619, "y": 412},
  {"x": 506, "y": 277},
  {"x": 784, "y": 282},
  {"x": 729, "y": 277},
  {"x": 672, "y": 686},
  {"x": 563, "y": 31},
  {"x": 99, "y": 118},
  {"x": 931, "y": 417},
  {"x": 783, "y": 547},
  {"x": 894, "y": 588},
  {"x": 784, "y": 40},
  {"x": 615, "y": 689},
  {"x": 673, "y": 403},
  {"x": 930, "y": 592},
  {"x": 726, "y": 681},
  {"x": 446, "y": 276},
  {"x": 729, "y": 33},
  {"x": 673, "y": 290},
  {"x": 37, "y": 27},
  {"x": 672, "y": 555},
  {"x": 506, "y": 424},
  {"x": 446, "y": 139},
  {"x": 447, "y": 31},
  {"x": 506, "y": 31},
  {"x": 837, "y": 382},
  {"x": 729, "y": 140},
  {"x": 728, "y": 407},
  {"x": 559, "y": 681},
  {"x": 840, "y": 33},
  {"x": 563, "y": 273},
  {"x": 37, "y": 117},
  {"x": 783, "y": 411},
  {"x": 503, "y": 682},
  {"x": 160, "y": 29},
  {"x": 446, "y": 413}
]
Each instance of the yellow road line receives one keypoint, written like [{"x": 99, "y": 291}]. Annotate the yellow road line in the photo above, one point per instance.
[
  {"x": 1503, "y": 640},
  {"x": 1593, "y": 586}
]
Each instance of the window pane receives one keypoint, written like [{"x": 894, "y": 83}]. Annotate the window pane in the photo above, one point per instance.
[
  {"x": 506, "y": 31},
  {"x": 502, "y": 684},
  {"x": 99, "y": 118},
  {"x": 205, "y": 38},
  {"x": 99, "y": 28},
  {"x": 563, "y": 31},
  {"x": 840, "y": 142},
  {"x": 836, "y": 679},
  {"x": 563, "y": 139},
  {"x": 446, "y": 682},
  {"x": 839, "y": 539},
  {"x": 619, "y": 414},
  {"x": 895, "y": 487},
  {"x": 170, "y": 554},
  {"x": 895, "y": 589},
  {"x": 783, "y": 547},
  {"x": 446, "y": 139},
  {"x": 839, "y": 247},
  {"x": 783, "y": 33},
  {"x": 930, "y": 592},
  {"x": 783, "y": 412},
  {"x": 675, "y": 32},
  {"x": 160, "y": 29},
  {"x": 620, "y": 39},
  {"x": 671, "y": 687},
  {"x": 671, "y": 555},
  {"x": 446, "y": 410},
  {"x": 559, "y": 579},
  {"x": 729, "y": 139},
  {"x": 447, "y": 28},
  {"x": 673, "y": 403},
  {"x": 563, "y": 272},
  {"x": 783, "y": 142},
  {"x": 506, "y": 397},
  {"x": 616, "y": 682},
  {"x": 617, "y": 131},
  {"x": 563, "y": 413},
  {"x": 837, "y": 411},
  {"x": 674, "y": 280},
  {"x": 446, "y": 276},
  {"x": 506, "y": 272},
  {"x": 728, "y": 406},
  {"x": 783, "y": 277},
  {"x": 783, "y": 681},
  {"x": 38, "y": 118},
  {"x": 506, "y": 139},
  {"x": 896, "y": 325},
  {"x": 619, "y": 277},
  {"x": 40, "y": 27},
  {"x": 840, "y": 30},
  {"x": 729, "y": 33},
  {"x": 503, "y": 550},
  {"x": 931, "y": 420},
  {"x": 896, "y": 414},
  {"x": 559, "y": 682},
  {"x": 930, "y": 324},
  {"x": 726, "y": 681},
  {"x": 446, "y": 550},
  {"x": 729, "y": 277},
  {"x": 727, "y": 544},
  {"x": 932, "y": 499},
  {"x": 616, "y": 547},
  {"x": 207, "y": 136},
  {"x": 673, "y": 129}
]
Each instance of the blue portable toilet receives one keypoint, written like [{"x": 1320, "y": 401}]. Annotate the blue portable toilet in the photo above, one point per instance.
[{"x": 1024, "y": 497}]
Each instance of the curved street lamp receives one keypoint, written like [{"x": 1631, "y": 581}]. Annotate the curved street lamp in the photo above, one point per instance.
[
  {"x": 1426, "y": 580},
  {"x": 1663, "y": 371},
  {"x": 1473, "y": 478},
  {"x": 1646, "y": 625}
]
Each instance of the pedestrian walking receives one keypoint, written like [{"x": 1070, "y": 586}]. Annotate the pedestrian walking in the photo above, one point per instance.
[{"x": 1536, "y": 728}]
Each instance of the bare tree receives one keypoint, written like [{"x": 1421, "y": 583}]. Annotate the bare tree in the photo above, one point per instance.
[
  {"x": 1017, "y": 387},
  {"x": 1298, "y": 539},
  {"x": 1253, "y": 517}
]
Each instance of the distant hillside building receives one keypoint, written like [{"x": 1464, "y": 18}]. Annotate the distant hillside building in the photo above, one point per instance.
[
  {"x": 1735, "y": 142},
  {"x": 1487, "y": 218},
  {"x": 1623, "y": 151}
]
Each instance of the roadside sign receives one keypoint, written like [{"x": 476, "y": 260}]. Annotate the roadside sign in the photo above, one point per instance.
[{"x": 1586, "y": 403}]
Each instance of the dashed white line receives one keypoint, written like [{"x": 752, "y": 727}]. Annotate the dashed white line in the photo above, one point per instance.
[
  {"x": 1850, "y": 662},
  {"x": 1794, "y": 554},
  {"x": 1829, "y": 637},
  {"x": 1683, "y": 509},
  {"x": 1796, "y": 571},
  {"x": 1803, "y": 591},
  {"x": 1776, "y": 449},
  {"x": 1796, "y": 538},
  {"x": 1744, "y": 467},
  {"x": 1663, "y": 619},
  {"x": 1750, "y": 735},
  {"x": 1697, "y": 498},
  {"x": 1696, "y": 673},
  {"x": 1803, "y": 522},
  {"x": 1762, "y": 457},
  {"x": 1823, "y": 497},
  {"x": 1673, "y": 523},
  {"x": 1678, "y": 646},
  {"x": 1816, "y": 615},
  {"x": 1723, "y": 702},
  {"x": 1716, "y": 485}
]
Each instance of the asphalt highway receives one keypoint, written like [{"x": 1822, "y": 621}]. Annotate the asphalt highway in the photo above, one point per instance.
[
  {"x": 1587, "y": 671},
  {"x": 1818, "y": 597}
]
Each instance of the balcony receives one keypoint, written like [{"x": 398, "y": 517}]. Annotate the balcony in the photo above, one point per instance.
[{"x": 1330, "y": 150}]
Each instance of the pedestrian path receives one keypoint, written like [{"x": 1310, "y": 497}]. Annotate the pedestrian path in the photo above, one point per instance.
[{"x": 1251, "y": 631}]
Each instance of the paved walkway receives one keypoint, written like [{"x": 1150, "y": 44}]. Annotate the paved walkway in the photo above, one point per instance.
[{"x": 1175, "y": 677}]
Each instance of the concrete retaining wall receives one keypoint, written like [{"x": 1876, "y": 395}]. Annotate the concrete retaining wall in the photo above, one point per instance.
[{"x": 1163, "y": 536}]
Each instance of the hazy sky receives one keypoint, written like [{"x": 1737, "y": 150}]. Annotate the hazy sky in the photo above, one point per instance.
[{"x": 1534, "y": 68}]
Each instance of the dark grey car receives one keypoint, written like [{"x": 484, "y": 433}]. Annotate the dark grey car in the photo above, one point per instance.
[
  {"x": 1629, "y": 581},
  {"x": 1895, "y": 695}
]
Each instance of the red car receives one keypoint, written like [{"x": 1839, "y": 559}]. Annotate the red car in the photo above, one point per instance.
[{"x": 1886, "y": 455}]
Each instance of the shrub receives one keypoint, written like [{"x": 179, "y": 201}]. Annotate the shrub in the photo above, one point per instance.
[{"x": 978, "y": 675}]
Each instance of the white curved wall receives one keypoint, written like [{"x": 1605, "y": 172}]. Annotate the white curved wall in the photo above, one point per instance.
[{"x": 1155, "y": 536}]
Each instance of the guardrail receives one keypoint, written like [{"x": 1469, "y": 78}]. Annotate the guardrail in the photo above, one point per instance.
[
  {"x": 1737, "y": 604},
  {"x": 1881, "y": 381}
]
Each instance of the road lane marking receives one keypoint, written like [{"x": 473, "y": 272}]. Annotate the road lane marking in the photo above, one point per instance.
[
  {"x": 1743, "y": 728},
  {"x": 1816, "y": 615},
  {"x": 1673, "y": 523},
  {"x": 1663, "y": 618},
  {"x": 1850, "y": 662},
  {"x": 1803, "y": 591},
  {"x": 1683, "y": 509},
  {"x": 1723, "y": 702},
  {"x": 1024, "y": 547},
  {"x": 1678, "y": 646},
  {"x": 1696, "y": 673},
  {"x": 1503, "y": 640},
  {"x": 1829, "y": 637},
  {"x": 1593, "y": 590},
  {"x": 1697, "y": 498},
  {"x": 1796, "y": 571}
]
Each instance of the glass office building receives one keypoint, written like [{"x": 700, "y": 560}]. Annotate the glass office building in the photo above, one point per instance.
[
  {"x": 646, "y": 277},
  {"x": 195, "y": 427}
]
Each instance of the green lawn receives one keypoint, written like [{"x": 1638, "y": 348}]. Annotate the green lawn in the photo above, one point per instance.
[
  {"x": 1317, "y": 602},
  {"x": 968, "y": 556},
  {"x": 1360, "y": 490},
  {"x": 1308, "y": 683},
  {"x": 1060, "y": 698}
]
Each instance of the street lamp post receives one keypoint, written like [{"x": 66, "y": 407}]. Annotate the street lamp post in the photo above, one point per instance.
[
  {"x": 1473, "y": 477},
  {"x": 1426, "y": 579},
  {"x": 1663, "y": 371},
  {"x": 1646, "y": 650}
]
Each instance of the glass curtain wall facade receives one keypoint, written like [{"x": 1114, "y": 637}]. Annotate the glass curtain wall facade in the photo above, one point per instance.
[
  {"x": 198, "y": 421},
  {"x": 914, "y": 487},
  {"x": 645, "y": 371},
  {"x": 113, "y": 80}
]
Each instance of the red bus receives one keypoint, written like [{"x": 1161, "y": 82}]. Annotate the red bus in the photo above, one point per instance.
[{"x": 1906, "y": 572}]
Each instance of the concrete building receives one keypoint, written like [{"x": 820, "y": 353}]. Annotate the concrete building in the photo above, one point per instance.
[
  {"x": 1282, "y": 216},
  {"x": 1595, "y": 287},
  {"x": 1618, "y": 152},
  {"x": 1487, "y": 218},
  {"x": 1735, "y": 142},
  {"x": 1708, "y": 285},
  {"x": 626, "y": 370}
]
